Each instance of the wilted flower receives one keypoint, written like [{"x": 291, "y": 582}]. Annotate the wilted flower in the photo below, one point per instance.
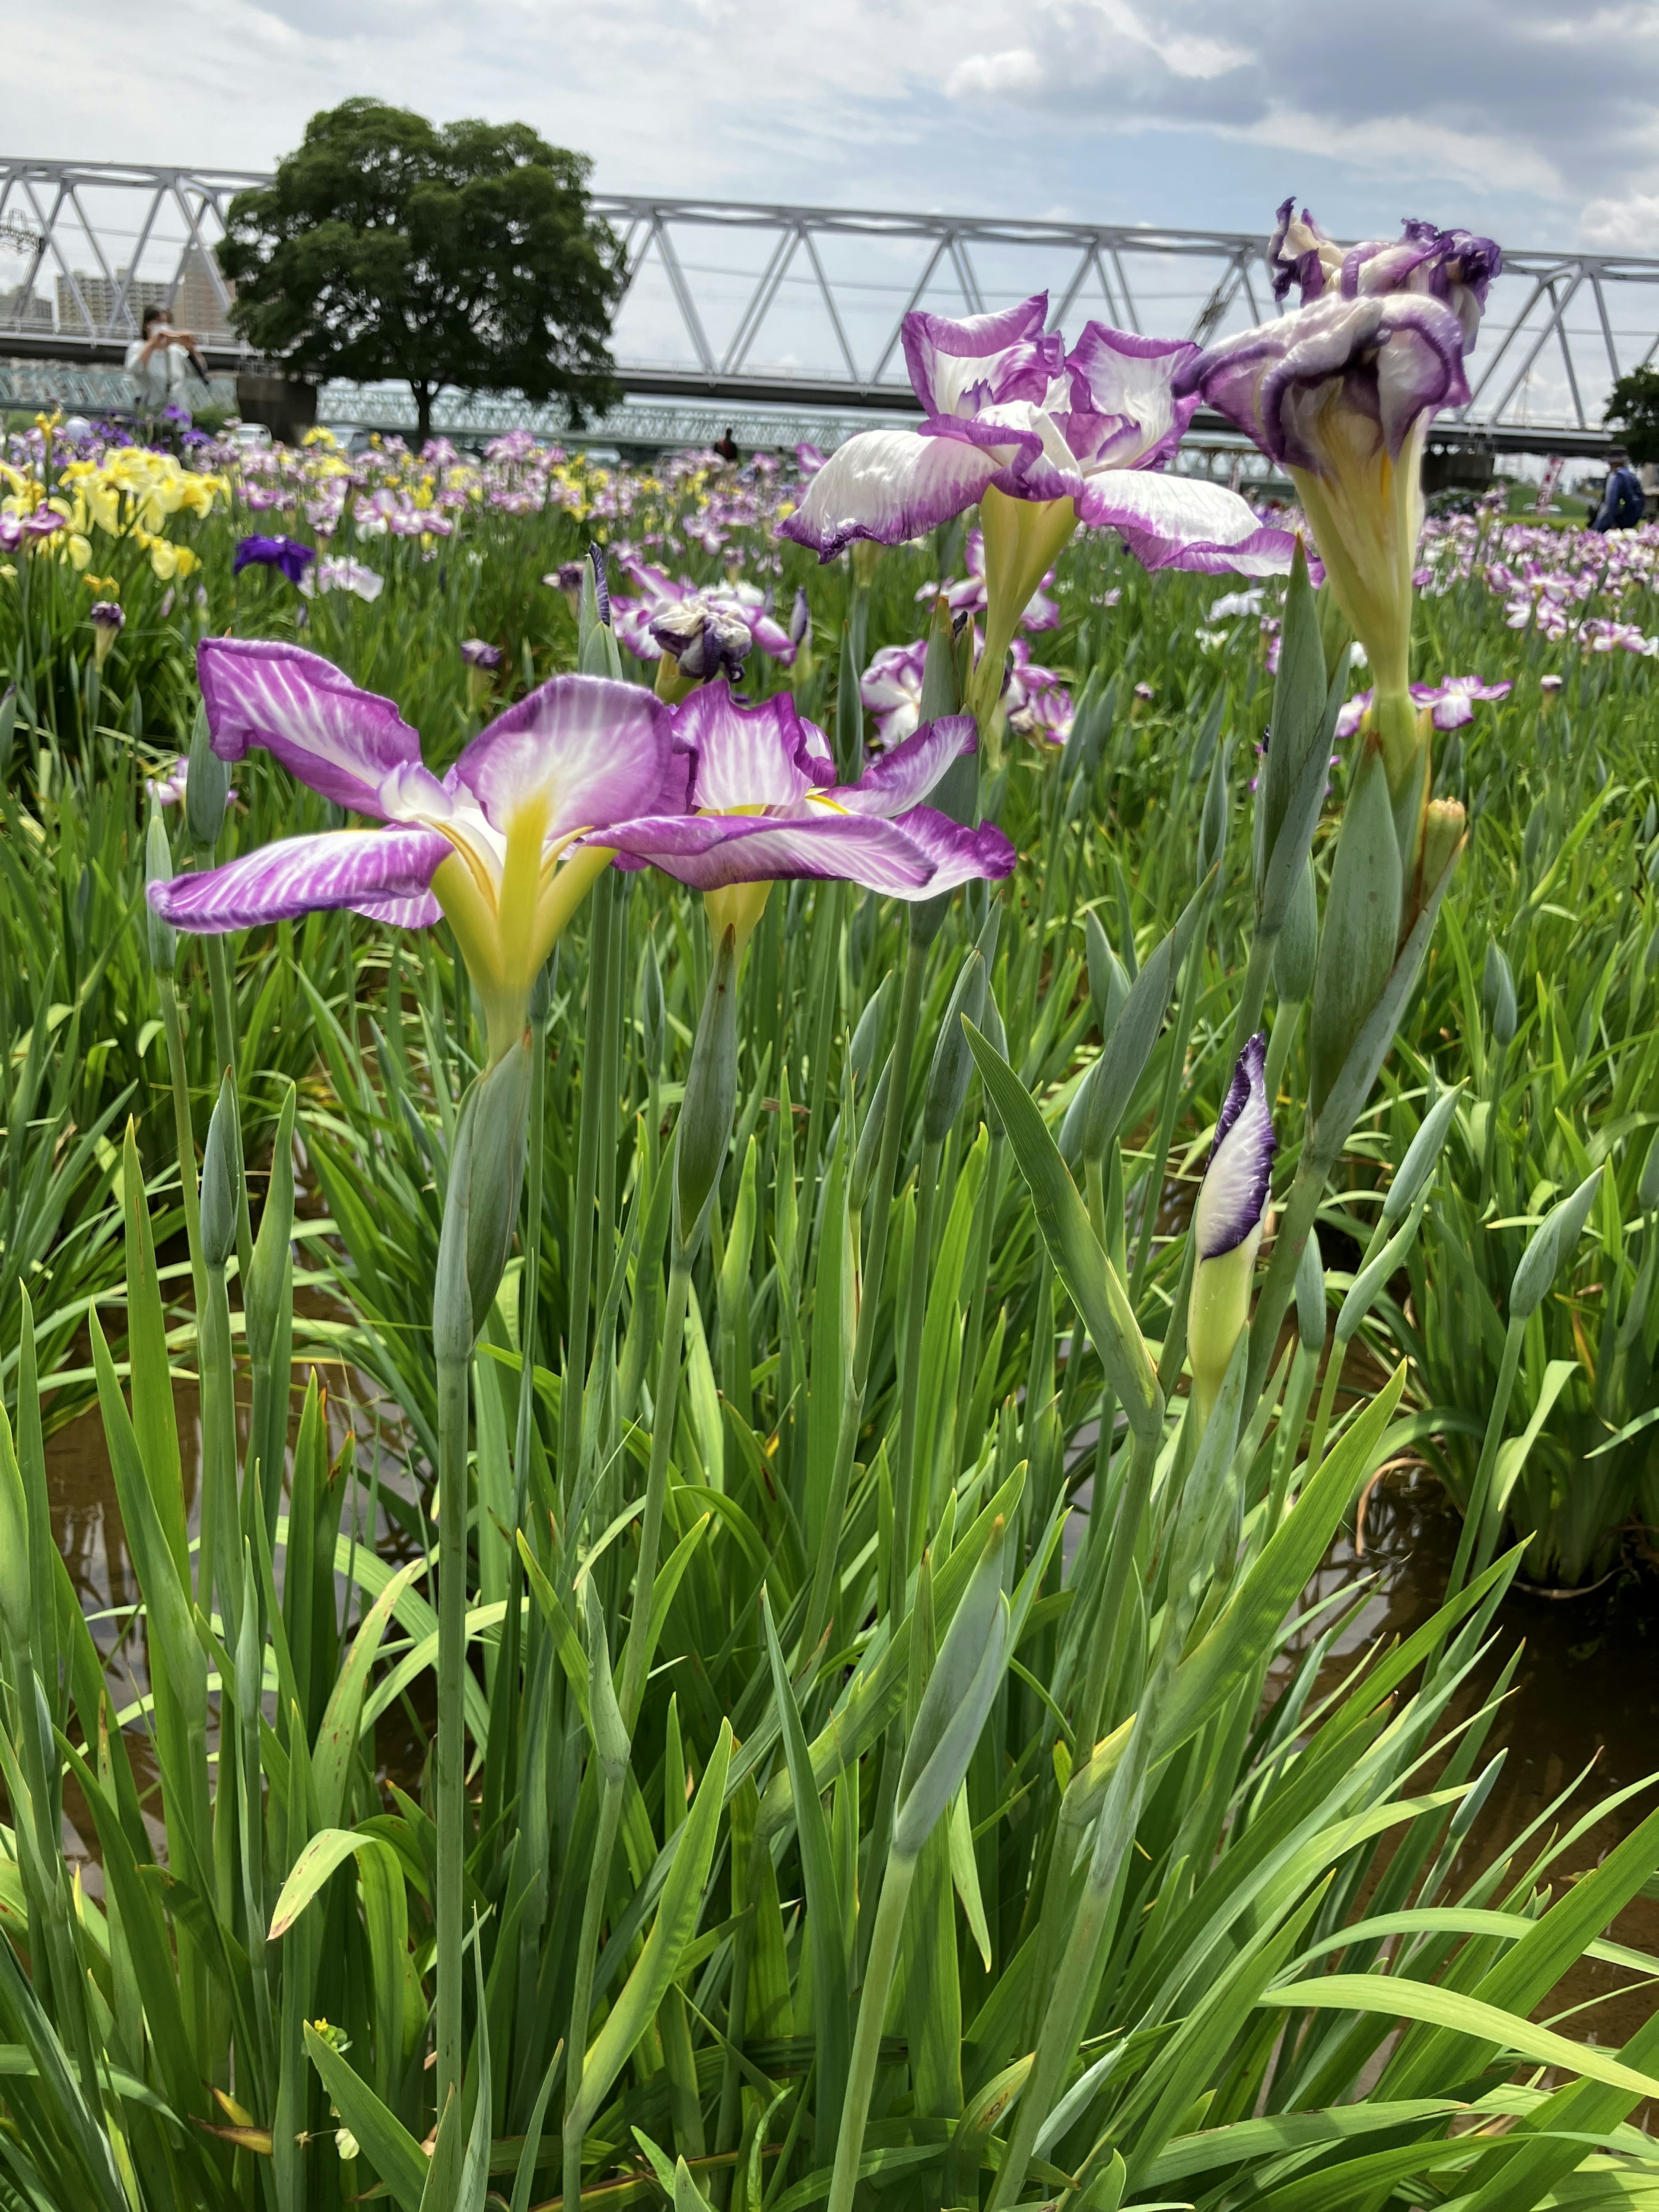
[
  {"x": 1227, "y": 1223},
  {"x": 287, "y": 554},
  {"x": 567, "y": 578},
  {"x": 477, "y": 654},
  {"x": 707, "y": 640}
]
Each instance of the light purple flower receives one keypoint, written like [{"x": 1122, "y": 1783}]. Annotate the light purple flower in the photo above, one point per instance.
[
  {"x": 764, "y": 806},
  {"x": 477, "y": 654},
  {"x": 168, "y": 790},
  {"x": 890, "y": 689},
  {"x": 1352, "y": 714},
  {"x": 1007, "y": 409},
  {"x": 493, "y": 845},
  {"x": 1232, "y": 1199},
  {"x": 1452, "y": 701}
]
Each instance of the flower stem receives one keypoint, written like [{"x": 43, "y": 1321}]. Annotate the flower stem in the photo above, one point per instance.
[
  {"x": 866, "y": 2040},
  {"x": 186, "y": 1135},
  {"x": 820, "y": 1601},
  {"x": 452, "y": 1715}
]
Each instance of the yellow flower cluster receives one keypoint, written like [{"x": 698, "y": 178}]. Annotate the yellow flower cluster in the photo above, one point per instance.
[{"x": 131, "y": 492}]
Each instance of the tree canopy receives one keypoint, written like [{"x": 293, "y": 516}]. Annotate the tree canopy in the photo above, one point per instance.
[
  {"x": 459, "y": 254},
  {"x": 1633, "y": 408}
]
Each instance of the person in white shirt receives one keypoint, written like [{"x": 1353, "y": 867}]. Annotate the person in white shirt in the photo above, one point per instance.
[{"x": 158, "y": 360}]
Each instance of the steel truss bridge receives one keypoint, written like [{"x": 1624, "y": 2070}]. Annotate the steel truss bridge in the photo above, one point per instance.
[{"x": 782, "y": 321}]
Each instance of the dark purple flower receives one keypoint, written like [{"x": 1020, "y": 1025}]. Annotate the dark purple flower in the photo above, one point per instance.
[
  {"x": 477, "y": 654},
  {"x": 287, "y": 554}
]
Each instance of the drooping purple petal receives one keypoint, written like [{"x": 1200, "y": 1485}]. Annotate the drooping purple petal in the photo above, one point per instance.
[
  {"x": 591, "y": 750},
  {"x": 308, "y": 713},
  {"x": 961, "y": 367},
  {"x": 1182, "y": 522},
  {"x": 1233, "y": 1197},
  {"x": 743, "y": 755},
  {"x": 903, "y": 776},
  {"x": 959, "y": 854},
  {"x": 888, "y": 485},
  {"x": 361, "y": 868},
  {"x": 708, "y": 851}
]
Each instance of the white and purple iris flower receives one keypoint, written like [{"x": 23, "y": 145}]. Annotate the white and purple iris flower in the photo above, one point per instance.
[
  {"x": 891, "y": 689},
  {"x": 1340, "y": 393},
  {"x": 764, "y": 804},
  {"x": 1227, "y": 1223},
  {"x": 1043, "y": 439},
  {"x": 493, "y": 846},
  {"x": 507, "y": 843},
  {"x": 1450, "y": 703}
]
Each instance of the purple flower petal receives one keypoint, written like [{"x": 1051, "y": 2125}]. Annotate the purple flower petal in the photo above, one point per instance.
[
  {"x": 761, "y": 756},
  {"x": 921, "y": 853},
  {"x": 903, "y": 776},
  {"x": 592, "y": 750},
  {"x": 359, "y": 868},
  {"x": 1124, "y": 411},
  {"x": 1182, "y": 522},
  {"x": 888, "y": 485},
  {"x": 983, "y": 358},
  {"x": 1233, "y": 1197},
  {"x": 339, "y": 740}
]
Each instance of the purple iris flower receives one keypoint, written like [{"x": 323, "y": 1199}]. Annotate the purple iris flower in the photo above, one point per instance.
[
  {"x": 493, "y": 846},
  {"x": 765, "y": 806},
  {"x": 1341, "y": 391},
  {"x": 287, "y": 554},
  {"x": 1451, "y": 702},
  {"x": 1007, "y": 409}
]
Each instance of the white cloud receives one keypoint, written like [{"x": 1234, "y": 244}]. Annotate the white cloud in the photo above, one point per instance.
[
  {"x": 1410, "y": 148},
  {"x": 1628, "y": 226},
  {"x": 990, "y": 76}
]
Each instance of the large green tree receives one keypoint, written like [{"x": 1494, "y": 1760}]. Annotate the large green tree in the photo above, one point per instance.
[
  {"x": 459, "y": 254},
  {"x": 1633, "y": 408}
]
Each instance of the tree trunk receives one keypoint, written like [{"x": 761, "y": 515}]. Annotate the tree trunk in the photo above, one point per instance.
[{"x": 422, "y": 413}]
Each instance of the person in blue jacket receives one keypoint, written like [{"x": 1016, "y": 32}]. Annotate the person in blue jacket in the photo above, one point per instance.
[{"x": 1622, "y": 501}]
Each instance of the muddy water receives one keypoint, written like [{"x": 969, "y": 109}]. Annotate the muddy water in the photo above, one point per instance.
[{"x": 1585, "y": 1696}]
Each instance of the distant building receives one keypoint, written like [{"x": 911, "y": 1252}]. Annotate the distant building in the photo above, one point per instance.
[
  {"x": 21, "y": 310},
  {"x": 192, "y": 303}
]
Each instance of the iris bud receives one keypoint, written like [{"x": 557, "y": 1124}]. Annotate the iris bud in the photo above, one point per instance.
[
  {"x": 207, "y": 786},
  {"x": 1227, "y": 1223},
  {"x": 1497, "y": 995},
  {"x": 711, "y": 1087},
  {"x": 481, "y": 1203},
  {"x": 221, "y": 1179},
  {"x": 158, "y": 869}
]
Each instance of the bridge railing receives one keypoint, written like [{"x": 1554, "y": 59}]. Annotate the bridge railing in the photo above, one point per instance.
[{"x": 756, "y": 305}]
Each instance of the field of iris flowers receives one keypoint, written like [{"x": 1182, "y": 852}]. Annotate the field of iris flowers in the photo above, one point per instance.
[{"x": 871, "y": 1358}]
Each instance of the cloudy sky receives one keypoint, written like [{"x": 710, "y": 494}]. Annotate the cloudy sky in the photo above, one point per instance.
[{"x": 1531, "y": 119}]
